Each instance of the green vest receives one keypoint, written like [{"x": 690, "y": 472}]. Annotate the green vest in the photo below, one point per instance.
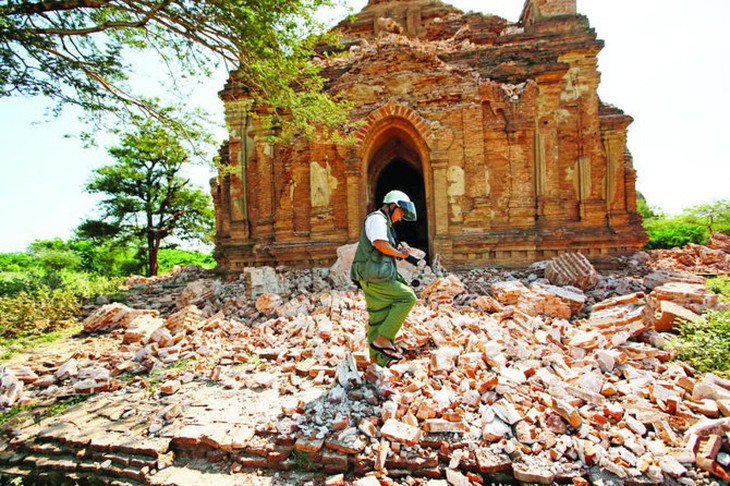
[{"x": 370, "y": 264}]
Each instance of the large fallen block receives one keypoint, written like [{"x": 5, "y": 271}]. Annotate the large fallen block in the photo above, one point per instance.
[
  {"x": 267, "y": 303},
  {"x": 668, "y": 314},
  {"x": 509, "y": 292},
  {"x": 712, "y": 387},
  {"x": 197, "y": 292},
  {"x": 675, "y": 301},
  {"x": 340, "y": 270},
  {"x": 443, "y": 290},
  {"x": 719, "y": 241},
  {"x": 571, "y": 269},
  {"x": 550, "y": 300},
  {"x": 187, "y": 319},
  {"x": 619, "y": 314},
  {"x": 695, "y": 297},
  {"x": 260, "y": 280},
  {"x": 112, "y": 316},
  {"x": 396, "y": 430},
  {"x": 141, "y": 329}
]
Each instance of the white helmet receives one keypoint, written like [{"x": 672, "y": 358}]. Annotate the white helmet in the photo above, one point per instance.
[{"x": 401, "y": 199}]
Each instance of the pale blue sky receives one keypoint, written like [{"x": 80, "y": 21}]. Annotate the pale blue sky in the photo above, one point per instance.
[{"x": 665, "y": 64}]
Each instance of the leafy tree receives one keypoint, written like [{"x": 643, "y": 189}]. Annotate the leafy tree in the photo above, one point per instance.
[
  {"x": 715, "y": 215},
  {"x": 74, "y": 51},
  {"x": 146, "y": 199}
]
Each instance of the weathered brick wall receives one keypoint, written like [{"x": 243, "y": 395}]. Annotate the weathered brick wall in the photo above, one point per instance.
[
  {"x": 538, "y": 9},
  {"x": 520, "y": 159}
]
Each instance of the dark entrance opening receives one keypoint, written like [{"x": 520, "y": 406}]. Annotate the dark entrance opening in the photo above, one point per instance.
[{"x": 401, "y": 175}]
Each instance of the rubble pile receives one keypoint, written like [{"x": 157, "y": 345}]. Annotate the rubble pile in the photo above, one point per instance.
[
  {"x": 505, "y": 375},
  {"x": 719, "y": 241},
  {"x": 135, "y": 280},
  {"x": 161, "y": 292},
  {"x": 238, "y": 299},
  {"x": 194, "y": 285},
  {"x": 712, "y": 259}
]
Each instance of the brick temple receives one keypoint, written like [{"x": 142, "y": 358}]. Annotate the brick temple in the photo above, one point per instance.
[{"x": 494, "y": 128}]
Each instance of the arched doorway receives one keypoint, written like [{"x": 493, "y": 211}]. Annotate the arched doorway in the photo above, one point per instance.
[{"x": 397, "y": 165}]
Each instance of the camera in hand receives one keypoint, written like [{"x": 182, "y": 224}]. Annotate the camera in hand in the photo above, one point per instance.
[{"x": 412, "y": 260}]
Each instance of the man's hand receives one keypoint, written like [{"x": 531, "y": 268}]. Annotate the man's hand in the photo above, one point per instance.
[{"x": 384, "y": 247}]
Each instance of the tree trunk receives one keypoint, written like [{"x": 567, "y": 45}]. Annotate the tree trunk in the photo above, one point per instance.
[{"x": 153, "y": 246}]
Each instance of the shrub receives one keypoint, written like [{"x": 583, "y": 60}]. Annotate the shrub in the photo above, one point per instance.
[
  {"x": 12, "y": 283},
  {"x": 670, "y": 233},
  {"x": 33, "y": 312},
  {"x": 82, "y": 284},
  {"x": 89, "y": 285},
  {"x": 705, "y": 344},
  {"x": 720, "y": 285}
]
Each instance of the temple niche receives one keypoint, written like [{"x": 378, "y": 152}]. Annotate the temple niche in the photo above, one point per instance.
[{"x": 495, "y": 129}]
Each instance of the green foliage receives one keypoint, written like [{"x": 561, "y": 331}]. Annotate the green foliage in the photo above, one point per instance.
[
  {"x": 303, "y": 462},
  {"x": 12, "y": 283},
  {"x": 720, "y": 285},
  {"x": 169, "y": 257},
  {"x": 44, "y": 297},
  {"x": 715, "y": 216},
  {"x": 40, "y": 413},
  {"x": 182, "y": 364},
  {"x": 89, "y": 285},
  {"x": 16, "y": 262},
  {"x": 82, "y": 284},
  {"x": 11, "y": 480},
  {"x": 74, "y": 52},
  {"x": 54, "y": 255},
  {"x": 47, "y": 294},
  {"x": 693, "y": 225},
  {"x": 60, "y": 406},
  {"x": 93, "y": 255},
  {"x": 145, "y": 198},
  {"x": 11, "y": 414},
  {"x": 670, "y": 233},
  {"x": 643, "y": 208},
  {"x": 108, "y": 257},
  {"x": 705, "y": 344}
]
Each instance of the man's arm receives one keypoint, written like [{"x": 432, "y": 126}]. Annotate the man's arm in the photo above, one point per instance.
[{"x": 384, "y": 247}]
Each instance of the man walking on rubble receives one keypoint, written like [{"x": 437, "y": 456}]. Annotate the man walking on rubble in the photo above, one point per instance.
[{"x": 389, "y": 298}]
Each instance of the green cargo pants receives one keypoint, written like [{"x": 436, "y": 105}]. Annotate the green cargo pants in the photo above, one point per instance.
[{"x": 388, "y": 305}]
